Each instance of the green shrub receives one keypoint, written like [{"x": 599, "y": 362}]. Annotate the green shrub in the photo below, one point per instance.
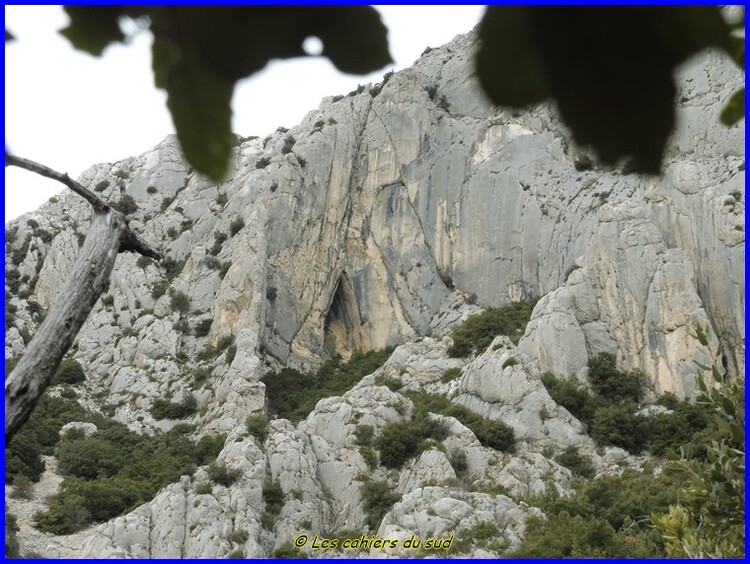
[
  {"x": 23, "y": 487},
  {"x": 179, "y": 301},
  {"x": 208, "y": 448},
  {"x": 293, "y": 395},
  {"x": 573, "y": 396},
  {"x": 165, "y": 409},
  {"x": 101, "y": 186},
  {"x": 12, "y": 548},
  {"x": 126, "y": 205},
  {"x": 257, "y": 426},
  {"x": 288, "y": 144},
  {"x": 263, "y": 162},
  {"x": 450, "y": 374},
  {"x": 159, "y": 289},
  {"x": 236, "y": 225},
  {"x": 112, "y": 471},
  {"x": 267, "y": 521},
  {"x": 619, "y": 426},
  {"x": 238, "y": 536},
  {"x": 204, "y": 488},
  {"x": 377, "y": 499},
  {"x": 363, "y": 434},
  {"x": 203, "y": 327},
  {"x": 271, "y": 293},
  {"x": 606, "y": 517},
  {"x": 369, "y": 456},
  {"x": 200, "y": 377},
  {"x": 578, "y": 464},
  {"x": 143, "y": 262},
  {"x": 613, "y": 384},
  {"x": 511, "y": 361},
  {"x": 222, "y": 474},
  {"x": 151, "y": 190},
  {"x": 458, "y": 461},
  {"x": 390, "y": 382},
  {"x": 108, "y": 300},
  {"x": 70, "y": 371},
  {"x": 401, "y": 440},
  {"x": 476, "y": 333},
  {"x": 670, "y": 431},
  {"x": 287, "y": 550},
  {"x": 273, "y": 496},
  {"x": 210, "y": 352},
  {"x": 668, "y": 400}
]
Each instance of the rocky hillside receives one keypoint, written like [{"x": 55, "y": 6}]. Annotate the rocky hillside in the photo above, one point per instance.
[{"x": 385, "y": 219}]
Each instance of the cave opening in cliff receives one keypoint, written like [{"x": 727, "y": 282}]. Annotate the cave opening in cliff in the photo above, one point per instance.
[{"x": 343, "y": 321}]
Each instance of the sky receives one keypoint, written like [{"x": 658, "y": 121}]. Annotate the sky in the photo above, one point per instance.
[{"x": 69, "y": 110}]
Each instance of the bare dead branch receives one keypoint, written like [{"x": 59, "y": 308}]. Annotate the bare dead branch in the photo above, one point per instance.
[
  {"x": 108, "y": 235},
  {"x": 97, "y": 203}
]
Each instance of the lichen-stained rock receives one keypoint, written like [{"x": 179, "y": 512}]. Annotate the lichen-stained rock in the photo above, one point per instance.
[
  {"x": 437, "y": 512},
  {"x": 180, "y": 522},
  {"x": 633, "y": 297},
  {"x": 503, "y": 383}
]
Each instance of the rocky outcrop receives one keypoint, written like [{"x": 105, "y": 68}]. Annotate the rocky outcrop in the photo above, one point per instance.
[{"x": 384, "y": 219}]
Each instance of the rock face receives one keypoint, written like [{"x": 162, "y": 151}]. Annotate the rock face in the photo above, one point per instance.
[{"x": 385, "y": 218}]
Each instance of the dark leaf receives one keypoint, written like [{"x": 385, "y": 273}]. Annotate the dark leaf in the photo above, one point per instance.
[
  {"x": 240, "y": 40},
  {"x": 92, "y": 28},
  {"x": 354, "y": 38},
  {"x": 219, "y": 45},
  {"x": 734, "y": 111},
  {"x": 198, "y": 100},
  {"x": 608, "y": 68},
  {"x": 508, "y": 63}
]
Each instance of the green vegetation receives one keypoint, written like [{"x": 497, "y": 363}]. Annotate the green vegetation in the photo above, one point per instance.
[
  {"x": 115, "y": 470},
  {"x": 179, "y": 301},
  {"x": 363, "y": 434},
  {"x": 491, "y": 433},
  {"x": 273, "y": 496},
  {"x": 40, "y": 434},
  {"x": 609, "y": 411},
  {"x": 126, "y": 205},
  {"x": 580, "y": 465},
  {"x": 203, "y": 327},
  {"x": 293, "y": 395},
  {"x": 211, "y": 352},
  {"x": 377, "y": 499},
  {"x": 257, "y": 426},
  {"x": 12, "y": 548},
  {"x": 70, "y": 371},
  {"x": 401, "y": 440},
  {"x": 219, "y": 239},
  {"x": 476, "y": 333},
  {"x": 236, "y": 225},
  {"x": 222, "y": 474},
  {"x": 369, "y": 456},
  {"x": 165, "y": 409},
  {"x": 607, "y": 517},
  {"x": 288, "y": 550},
  {"x": 450, "y": 374},
  {"x": 708, "y": 521}
]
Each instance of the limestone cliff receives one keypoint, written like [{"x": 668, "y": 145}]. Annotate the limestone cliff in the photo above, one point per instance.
[{"x": 384, "y": 218}]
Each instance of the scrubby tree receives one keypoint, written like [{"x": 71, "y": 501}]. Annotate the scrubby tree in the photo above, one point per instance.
[{"x": 709, "y": 521}]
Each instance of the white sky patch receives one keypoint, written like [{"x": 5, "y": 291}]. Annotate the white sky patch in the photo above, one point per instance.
[{"x": 69, "y": 110}]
